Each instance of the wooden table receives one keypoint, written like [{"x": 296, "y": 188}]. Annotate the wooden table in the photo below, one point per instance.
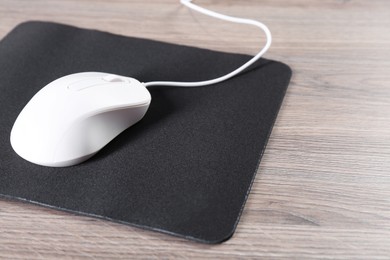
[{"x": 323, "y": 187}]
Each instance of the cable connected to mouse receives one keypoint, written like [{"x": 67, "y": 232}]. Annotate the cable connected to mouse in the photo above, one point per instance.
[{"x": 207, "y": 12}]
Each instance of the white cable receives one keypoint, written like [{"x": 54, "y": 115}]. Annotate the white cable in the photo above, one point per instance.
[{"x": 231, "y": 74}]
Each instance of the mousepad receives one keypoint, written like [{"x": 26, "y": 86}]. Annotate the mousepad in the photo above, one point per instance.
[{"x": 185, "y": 169}]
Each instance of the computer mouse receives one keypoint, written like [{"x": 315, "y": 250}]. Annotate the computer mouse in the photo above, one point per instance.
[{"x": 72, "y": 118}]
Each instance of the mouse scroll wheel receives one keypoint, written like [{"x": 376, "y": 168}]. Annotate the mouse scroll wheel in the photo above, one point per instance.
[{"x": 114, "y": 78}]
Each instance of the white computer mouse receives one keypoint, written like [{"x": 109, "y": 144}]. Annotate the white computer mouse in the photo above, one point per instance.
[{"x": 73, "y": 117}]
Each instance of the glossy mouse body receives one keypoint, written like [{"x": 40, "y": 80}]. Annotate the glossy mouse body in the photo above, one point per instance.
[{"x": 73, "y": 117}]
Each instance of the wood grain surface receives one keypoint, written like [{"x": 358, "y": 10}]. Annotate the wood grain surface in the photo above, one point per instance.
[{"x": 323, "y": 186}]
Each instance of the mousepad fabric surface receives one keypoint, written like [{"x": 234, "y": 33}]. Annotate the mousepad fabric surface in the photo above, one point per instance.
[{"x": 185, "y": 169}]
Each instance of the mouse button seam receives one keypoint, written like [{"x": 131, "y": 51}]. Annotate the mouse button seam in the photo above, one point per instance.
[
  {"x": 95, "y": 85},
  {"x": 80, "y": 81}
]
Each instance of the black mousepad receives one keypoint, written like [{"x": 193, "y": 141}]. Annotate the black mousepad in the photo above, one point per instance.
[{"x": 185, "y": 169}]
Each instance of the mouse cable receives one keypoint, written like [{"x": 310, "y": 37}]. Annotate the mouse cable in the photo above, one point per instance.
[{"x": 231, "y": 74}]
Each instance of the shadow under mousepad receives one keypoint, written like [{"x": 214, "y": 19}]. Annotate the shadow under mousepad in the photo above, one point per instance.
[{"x": 185, "y": 169}]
